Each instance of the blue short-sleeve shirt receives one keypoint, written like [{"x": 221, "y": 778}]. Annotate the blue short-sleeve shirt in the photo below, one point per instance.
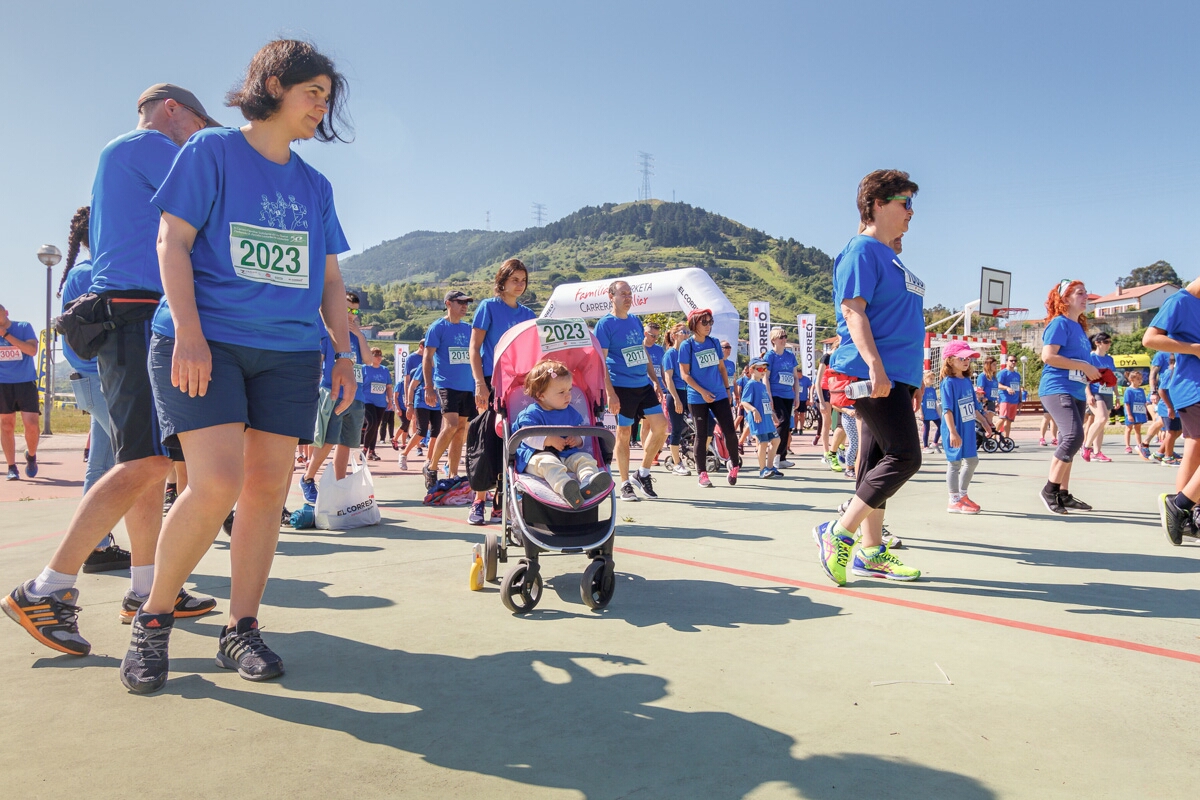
[
  {"x": 929, "y": 404},
  {"x": 627, "y": 358},
  {"x": 990, "y": 386},
  {"x": 1010, "y": 386},
  {"x": 656, "y": 354},
  {"x": 755, "y": 393},
  {"x": 15, "y": 366},
  {"x": 704, "y": 360},
  {"x": 1072, "y": 343},
  {"x": 494, "y": 317},
  {"x": 958, "y": 397},
  {"x": 782, "y": 369},
  {"x": 417, "y": 376},
  {"x": 1102, "y": 362},
  {"x": 803, "y": 384},
  {"x": 451, "y": 343},
  {"x": 534, "y": 414},
  {"x": 373, "y": 388},
  {"x": 1135, "y": 406},
  {"x": 671, "y": 363},
  {"x": 1179, "y": 318}
]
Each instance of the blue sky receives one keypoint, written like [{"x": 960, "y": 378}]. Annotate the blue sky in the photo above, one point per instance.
[{"x": 1049, "y": 139}]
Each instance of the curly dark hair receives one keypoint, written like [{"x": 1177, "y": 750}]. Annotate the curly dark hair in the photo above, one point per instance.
[
  {"x": 79, "y": 235},
  {"x": 880, "y": 185},
  {"x": 293, "y": 62}
]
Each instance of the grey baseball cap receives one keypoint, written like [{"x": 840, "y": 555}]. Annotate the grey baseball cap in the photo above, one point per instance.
[{"x": 169, "y": 91}]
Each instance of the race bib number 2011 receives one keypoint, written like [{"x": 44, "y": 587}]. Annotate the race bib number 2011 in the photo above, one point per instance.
[
  {"x": 269, "y": 255},
  {"x": 562, "y": 334}
]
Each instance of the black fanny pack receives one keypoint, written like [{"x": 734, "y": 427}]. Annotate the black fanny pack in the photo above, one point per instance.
[{"x": 87, "y": 321}]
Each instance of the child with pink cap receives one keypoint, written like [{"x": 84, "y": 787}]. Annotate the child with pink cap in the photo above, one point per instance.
[{"x": 959, "y": 415}]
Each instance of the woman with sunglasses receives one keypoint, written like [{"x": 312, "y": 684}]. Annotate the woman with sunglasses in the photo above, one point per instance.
[
  {"x": 1063, "y": 389},
  {"x": 704, "y": 372},
  {"x": 881, "y": 327},
  {"x": 675, "y": 387},
  {"x": 1100, "y": 399}
]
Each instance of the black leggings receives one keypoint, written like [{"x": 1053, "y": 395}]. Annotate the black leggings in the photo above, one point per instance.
[
  {"x": 387, "y": 425},
  {"x": 429, "y": 421},
  {"x": 724, "y": 414},
  {"x": 937, "y": 432},
  {"x": 889, "y": 447},
  {"x": 783, "y": 413},
  {"x": 678, "y": 421},
  {"x": 374, "y": 415}
]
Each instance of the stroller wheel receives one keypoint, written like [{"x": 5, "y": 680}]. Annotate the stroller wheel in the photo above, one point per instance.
[
  {"x": 597, "y": 585},
  {"x": 714, "y": 464},
  {"x": 1006, "y": 444},
  {"x": 491, "y": 554},
  {"x": 990, "y": 445},
  {"x": 668, "y": 463},
  {"x": 520, "y": 590}
]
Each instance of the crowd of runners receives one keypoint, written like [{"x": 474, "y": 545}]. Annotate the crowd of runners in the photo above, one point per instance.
[{"x": 232, "y": 342}]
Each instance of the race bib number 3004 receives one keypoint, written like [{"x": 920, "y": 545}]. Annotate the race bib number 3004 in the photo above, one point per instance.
[
  {"x": 562, "y": 334},
  {"x": 269, "y": 255},
  {"x": 10, "y": 354}
]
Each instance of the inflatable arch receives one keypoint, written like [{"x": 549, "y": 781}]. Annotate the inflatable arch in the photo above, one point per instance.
[{"x": 659, "y": 292}]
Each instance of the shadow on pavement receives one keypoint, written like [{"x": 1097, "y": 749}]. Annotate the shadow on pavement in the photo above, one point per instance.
[
  {"x": 543, "y": 718},
  {"x": 1072, "y": 559},
  {"x": 1093, "y": 598},
  {"x": 293, "y": 593}
]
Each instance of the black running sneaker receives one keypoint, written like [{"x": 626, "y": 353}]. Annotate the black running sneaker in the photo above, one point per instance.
[
  {"x": 52, "y": 620},
  {"x": 430, "y": 475},
  {"x": 227, "y": 525},
  {"x": 627, "y": 492},
  {"x": 144, "y": 668},
  {"x": 1070, "y": 501},
  {"x": 646, "y": 483},
  {"x": 1052, "y": 501},
  {"x": 186, "y": 605},
  {"x": 1177, "y": 523},
  {"x": 244, "y": 650},
  {"x": 169, "y": 498},
  {"x": 109, "y": 559}
]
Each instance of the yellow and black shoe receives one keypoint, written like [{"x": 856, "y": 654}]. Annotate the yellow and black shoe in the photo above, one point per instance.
[
  {"x": 52, "y": 620},
  {"x": 186, "y": 605}
]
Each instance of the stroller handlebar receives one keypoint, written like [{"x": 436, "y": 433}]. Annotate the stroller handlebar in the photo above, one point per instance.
[{"x": 603, "y": 434}]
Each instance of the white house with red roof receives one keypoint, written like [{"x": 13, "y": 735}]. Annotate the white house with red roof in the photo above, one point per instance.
[{"x": 1126, "y": 310}]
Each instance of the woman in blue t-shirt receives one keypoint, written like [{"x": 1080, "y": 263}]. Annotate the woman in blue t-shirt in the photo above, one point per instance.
[
  {"x": 1065, "y": 349},
  {"x": 247, "y": 248},
  {"x": 677, "y": 388},
  {"x": 703, "y": 370}
]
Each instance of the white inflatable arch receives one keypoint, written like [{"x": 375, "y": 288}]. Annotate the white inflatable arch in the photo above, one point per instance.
[{"x": 659, "y": 292}]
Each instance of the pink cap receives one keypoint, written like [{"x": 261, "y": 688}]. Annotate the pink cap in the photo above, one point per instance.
[{"x": 959, "y": 350}]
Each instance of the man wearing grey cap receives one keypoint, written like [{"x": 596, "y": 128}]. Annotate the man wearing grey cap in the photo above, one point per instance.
[{"x": 124, "y": 231}]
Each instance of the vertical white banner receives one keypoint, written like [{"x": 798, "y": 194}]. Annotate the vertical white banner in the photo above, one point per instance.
[
  {"x": 401, "y": 358},
  {"x": 807, "y": 337},
  {"x": 760, "y": 328}
]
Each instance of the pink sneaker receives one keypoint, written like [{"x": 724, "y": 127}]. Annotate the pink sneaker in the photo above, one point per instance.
[
  {"x": 969, "y": 505},
  {"x": 733, "y": 471},
  {"x": 1129, "y": 450},
  {"x": 704, "y": 481},
  {"x": 954, "y": 507},
  {"x": 1087, "y": 454},
  {"x": 1054, "y": 441},
  {"x": 1101, "y": 458},
  {"x": 1043, "y": 442}
]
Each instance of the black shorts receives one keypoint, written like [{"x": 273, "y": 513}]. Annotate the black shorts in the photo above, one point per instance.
[
  {"x": 1170, "y": 424},
  {"x": 125, "y": 382},
  {"x": 825, "y": 395},
  {"x": 1189, "y": 419},
  {"x": 429, "y": 421},
  {"x": 458, "y": 402},
  {"x": 21, "y": 397},
  {"x": 801, "y": 407},
  {"x": 636, "y": 402}
]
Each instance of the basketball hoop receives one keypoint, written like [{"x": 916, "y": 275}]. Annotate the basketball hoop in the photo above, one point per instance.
[{"x": 1005, "y": 313}]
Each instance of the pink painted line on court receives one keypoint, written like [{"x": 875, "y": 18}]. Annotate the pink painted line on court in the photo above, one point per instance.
[
  {"x": 1061, "y": 633},
  {"x": 31, "y": 541}
]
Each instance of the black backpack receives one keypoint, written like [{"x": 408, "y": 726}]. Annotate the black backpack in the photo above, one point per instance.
[{"x": 485, "y": 452}]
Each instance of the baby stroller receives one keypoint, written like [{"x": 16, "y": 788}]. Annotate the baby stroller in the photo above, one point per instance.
[
  {"x": 534, "y": 517},
  {"x": 990, "y": 444},
  {"x": 718, "y": 453}
]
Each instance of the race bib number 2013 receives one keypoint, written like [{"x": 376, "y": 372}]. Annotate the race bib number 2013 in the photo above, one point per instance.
[
  {"x": 269, "y": 255},
  {"x": 562, "y": 334},
  {"x": 460, "y": 355}
]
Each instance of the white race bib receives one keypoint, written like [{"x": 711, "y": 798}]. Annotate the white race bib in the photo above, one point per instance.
[
  {"x": 658, "y": 371},
  {"x": 634, "y": 356},
  {"x": 787, "y": 379},
  {"x": 1077, "y": 376},
  {"x": 269, "y": 255},
  {"x": 378, "y": 388},
  {"x": 358, "y": 373},
  {"x": 10, "y": 354},
  {"x": 1014, "y": 388},
  {"x": 768, "y": 409},
  {"x": 966, "y": 409},
  {"x": 460, "y": 355},
  {"x": 1139, "y": 408},
  {"x": 706, "y": 359},
  {"x": 1106, "y": 390},
  {"x": 562, "y": 334}
]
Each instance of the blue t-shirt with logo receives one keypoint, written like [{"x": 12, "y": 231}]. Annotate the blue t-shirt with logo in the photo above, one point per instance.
[
  {"x": 1165, "y": 379},
  {"x": 123, "y": 227},
  {"x": 451, "y": 344},
  {"x": 671, "y": 364},
  {"x": 1102, "y": 362},
  {"x": 494, "y": 317},
  {"x": 990, "y": 386},
  {"x": 1135, "y": 406},
  {"x": 1179, "y": 318},
  {"x": 533, "y": 414},
  {"x": 372, "y": 390},
  {"x": 803, "y": 384},
  {"x": 1072, "y": 343},
  {"x": 15, "y": 366},
  {"x": 627, "y": 358},
  {"x": 869, "y": 269},
  {"x": 327, "y": 358},
  {"x": 929, "y": 404},
  {"x": 782, "y": 371},
  {"x": 704, "y": 360},
  {"x": 79, "y": 282},
  {"x": 263, "y": 233},
  {"x": 1010, "y": 386},
  {"x": 417, "y": 375},
  {"x": 958, "y": 397},
  {"x": 656, "y": 354},
  {"x": 755, "y": 393},
  {"x": 730, "y": 370}
]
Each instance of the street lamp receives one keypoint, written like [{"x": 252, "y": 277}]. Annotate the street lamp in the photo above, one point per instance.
[
  {"x": 1024, "y": 359},
  {"x": 49, "y": 255}
]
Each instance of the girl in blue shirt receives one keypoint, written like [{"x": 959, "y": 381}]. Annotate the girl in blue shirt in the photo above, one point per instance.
[
  {"x": 959, "y": 415},
  {"x": 704, "y": 371},
  {"x": 247, "y": 250},
  {"x": 759, "y": 407},
  {"x": 1065, "y": 350},
  {"x": 1135, "y": 412},
  {"x": 930, "y": 415}
]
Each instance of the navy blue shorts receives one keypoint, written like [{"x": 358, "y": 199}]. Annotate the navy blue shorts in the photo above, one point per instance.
[
  {"x": 346, "y": 428},
  {"x": 267, "y": 390}
]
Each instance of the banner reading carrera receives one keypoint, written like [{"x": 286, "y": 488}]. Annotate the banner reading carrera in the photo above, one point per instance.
[
  {"x": 760, "y": 328},
  {"x": 807, "y": 336}
]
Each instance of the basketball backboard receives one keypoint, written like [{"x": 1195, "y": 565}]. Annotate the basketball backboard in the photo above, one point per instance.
[{"x": 995, "y": 286}]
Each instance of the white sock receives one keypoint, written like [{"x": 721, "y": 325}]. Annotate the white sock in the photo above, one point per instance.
[
  {"x": 643, "y": 472},
  {"x": 50, "y": 581},
  {"x": 954, "y": 498},
  {"x": 142, "y": 579}
]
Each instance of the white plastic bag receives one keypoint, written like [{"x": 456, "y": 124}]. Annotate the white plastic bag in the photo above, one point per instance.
[{"x": 348, "y": 503}]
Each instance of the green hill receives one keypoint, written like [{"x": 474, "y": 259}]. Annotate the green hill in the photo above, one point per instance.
[{"x": 402, "y": 280}]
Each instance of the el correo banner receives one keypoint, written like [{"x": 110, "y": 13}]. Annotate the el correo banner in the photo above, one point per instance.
[
  {"x": 760, "y": 328},
  {"x": 807, "y": 337},
  {"x": 401, "y": 360}
]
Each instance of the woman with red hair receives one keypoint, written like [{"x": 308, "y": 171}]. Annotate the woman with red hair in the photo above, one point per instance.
[{"x": 1065, "y": 350}]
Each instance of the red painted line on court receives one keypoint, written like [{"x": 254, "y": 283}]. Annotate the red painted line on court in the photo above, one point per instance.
[
  {"x": 31, "y": 541},
  {"x": 1061, "y": 633}
]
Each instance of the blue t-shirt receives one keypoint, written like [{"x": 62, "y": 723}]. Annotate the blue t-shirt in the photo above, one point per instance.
[
  {"x": 671, "y": 363},
  {"x": 755, "y": 393},
  {"x": 263, "y": 233},
  {"x": 1161, "y": 360},
  {"x": 1165, "y": 379},
  {"x": 782, "y": 369},
  {"x": 1179, "y": 318},
  {"x": 451, "y": 345},
  {"x": 418, "y": 376},
  {"x": 990, "y": 386},
  {"x": 656, "y": 354},
  {"x": 79, "y": 281},
  {"x": 123, "y": 227},
  {"x": 327, "y": 358},
  {"x": 494, "y": 317},
  {"x": 626, "y": 360},
  {"x": 740, "y": 383},
  {"x": 730, "y": 370},
  {"x": 1135, "y": 406},
  {"x": 1010, "y": 386},
  {"x": 869, "y": 269},
  {"x": 534, "y": 414},
  {"x": 929, "y": 404},
  {"x": 1073, "y": 343},
  {"x": 15, "y": 366},
  {"x": 704, "y": 360},
  {"x": 958, "y": 397},
  {"x": 1102, "y": 362},
  {"x": 372, "y": 390},
  {"x": 803, "y": 384}
]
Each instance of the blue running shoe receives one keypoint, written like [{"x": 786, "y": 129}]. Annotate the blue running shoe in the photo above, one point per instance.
[
  {"x": 309, "y": 488},
  {"x": 30, "y": 465},
  {"x": 476, "y": 515}
]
